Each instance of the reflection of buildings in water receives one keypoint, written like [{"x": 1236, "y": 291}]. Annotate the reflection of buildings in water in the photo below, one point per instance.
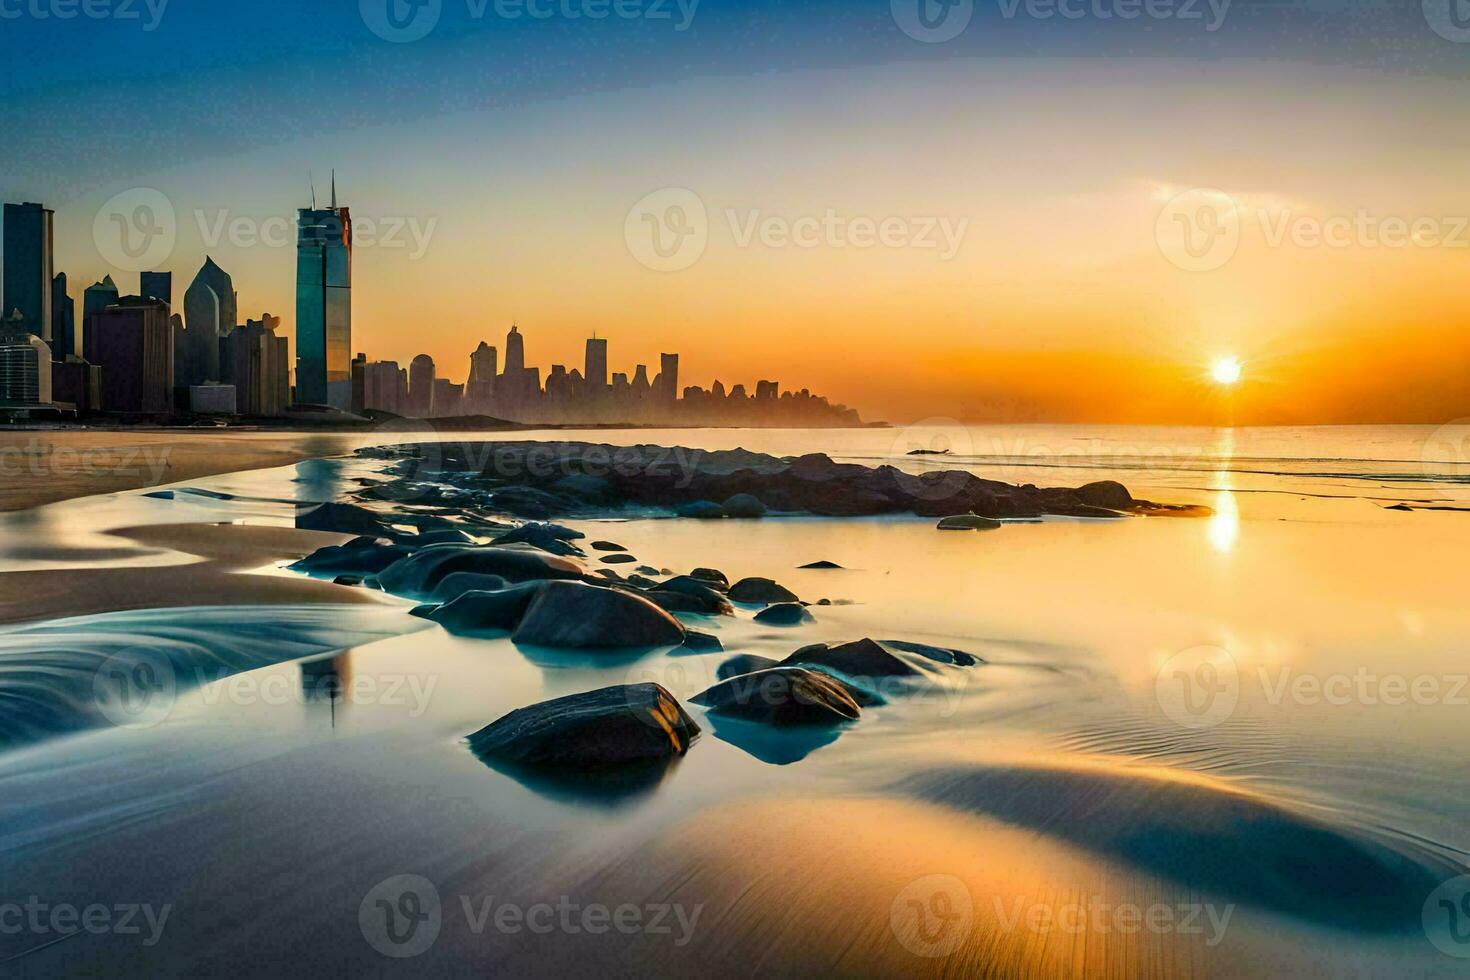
[{"x": 324, "y": 680}]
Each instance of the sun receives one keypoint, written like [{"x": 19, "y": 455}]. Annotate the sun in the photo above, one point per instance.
[{"x": 1226, "y": 370}]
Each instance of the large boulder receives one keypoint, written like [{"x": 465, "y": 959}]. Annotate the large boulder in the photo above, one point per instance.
[
  {"x": 712, "y": 577},
  {"x": 782, "y": 696},
  {"x": 457, "y": 584},
  {"x": 635, "y": 723},
  {"x": 784, "y": 614},
  {"x": 420, "y": 573},
  {"x": 760, "y": 590},
  {"x": 577, "y": 616},
  {"x": 861, "y": 658},
  {"x": 744, "y": 663},
  {"x": 344, "y": 519},
  {"x": 968, "y": 522},
  {"x": 704, "y": 510},
  {"x": 940, "y": 655},
  {"x": 354, "y": 558},
  {"x": 711, "y": 602},
  {"x": 744, "y": 505},
  {"x": 478, "y": 612},
  {"x": 551, "y": 538},
  {"x": 1106, "y": 493}
]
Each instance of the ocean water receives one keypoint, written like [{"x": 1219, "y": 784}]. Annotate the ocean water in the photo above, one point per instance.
[{"x": 1225, "y": 746}]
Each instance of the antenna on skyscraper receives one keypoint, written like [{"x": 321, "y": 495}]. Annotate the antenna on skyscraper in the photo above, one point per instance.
[
  {"x": 334, "y": 188},
  {"x": 312, "y": 182}
]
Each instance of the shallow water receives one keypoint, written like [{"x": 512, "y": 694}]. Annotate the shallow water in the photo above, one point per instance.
[{"x": 1258, "y": 716}]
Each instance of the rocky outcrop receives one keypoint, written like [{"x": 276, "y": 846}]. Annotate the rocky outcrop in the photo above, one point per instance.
[
  {"x": 480, "y": 612},
  {"x": 783, "y": 697},
  {"x": 784, "y": 614},
  {"x": 968, "y": 522},
  {"x": 760, "y": 590},
  {"x": 577, "y": 616},
  {"x": 615, "y": 726},
  {"x": 419, "y": 574}
]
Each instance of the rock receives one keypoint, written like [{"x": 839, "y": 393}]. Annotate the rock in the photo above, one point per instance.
[
  {"x": 942, "y": 655},
  {"x": 608, "y": 574},
  {"x": 782, "y": 696},
  {"x": 344, "y": 519},
  {"x": 1105, "y": 493},
  {"x": 824, "y": 602},
  {"x": 551, "y": 538},
  {"x": 676, "y": 602},
  {"x": 475, "y": 612},
  {"x": 441, "y": 536},
  {"x": 421, "y": 572},
  {"x": 610, "y": 727},
  {"x": 642, "y": 581},
  {"x": 619, "y": 560},
  {"x": 760, "y": 590},
  {"x": 862, "y": 658},
  {"x": 929, "y": 452},
  {"x": 784, "y": 614},
  {"x": 744, "y": 663},
  {"x": 352, "y": 559},
  {"x": 607, "y": 546},
  {"x": 456, "y": 585},
  {"x": 745, "y": 506},
  {"x": 712, "y": 577},
  {"x": 704, "y": 510},
  {"x": 649, "y": 570},
  {"x": 697, "y": 642},
  {"x": 353, "y": 580},
  {"x": 712, "y": 603},
  {"x": 968, "y": 522},
  {"x": 160, "y": 495},
  {"x": 573, "y": 615},
  {"x": 530, "y": 503},
  {"x": 822, "y": 565}
]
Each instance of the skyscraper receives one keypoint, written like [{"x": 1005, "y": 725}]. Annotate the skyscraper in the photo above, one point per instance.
[
  {"x": 132, "y": 342},
  {"x": 595, "y": 372},
  {"x": 157, "y": 285},
  {"x": 324, "y": 305},
  {"x": 28, "y": 266},
  {"x": 421, "y": 387},
  {"x": 479, "y": 389},
  {"x": 667, "y": 383},
  {"x": 63, "y": 320},
  {"x": 254, "y": 360},
  {"x": 515, "y": 352},
  {"x": 98, "y": 297},
  {"x": 209, "y": 316}
]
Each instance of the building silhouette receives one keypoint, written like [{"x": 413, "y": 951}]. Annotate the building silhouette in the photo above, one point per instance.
[
  {"x": 594, "y": 371},
  {"x": 25, "y": 366},
  {"x": 157, "y": 285},
  {"x": 29, "y": 267},
  {"x": 209, "y": 316},
  {"x": 385, "y": 387},
  {"x": 324, "y": 305},
  {"x": 421, "y": 387},
  {"x": 63, "y": 320},
  {"x": 132, "y": 343},
  {"x": 256, "y": 361},
  {"x": 479, "y": 388},
  {"x": 96, "y": 298}
]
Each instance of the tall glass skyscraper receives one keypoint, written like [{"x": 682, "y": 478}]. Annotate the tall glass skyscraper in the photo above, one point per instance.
[
  {"x": 28, "y": 267},
  {"x": 324, "y": 306}
]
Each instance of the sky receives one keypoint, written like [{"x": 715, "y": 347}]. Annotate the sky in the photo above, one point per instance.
[{"x": 989, "y": 215}]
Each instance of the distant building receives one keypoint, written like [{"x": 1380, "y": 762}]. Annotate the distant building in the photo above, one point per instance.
[
  {"x": 25, "y": 365},
  {"x": 257, "y": 362},
  {"x": 132, "y": 342},
  {"x": 63, "y": 320},
  {"x": 359, "y": 384},
  {"x": 448, "y": 398},
  {"x": 515, "y": 351},
  {"x": 324, "y": 305},
  {"x": 157, "y": 285},
  {"x": 28, "y": 266},
  {"x": 385, "y": 387},
  {"x": 595, "y": 373},
  {"x": 421, "y": 387},
  {"x": 666, "y": 385},
  {"x": 209, "y": 316},
  {"x": 212, "y": 399},
  {"x": 98, "y": 297},
  {"x": 78, "y": 383},
  {"x": 480, "y": 387}
]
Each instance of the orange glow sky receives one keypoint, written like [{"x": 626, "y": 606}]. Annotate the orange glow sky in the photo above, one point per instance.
[{"x": 1060, "y": 304}]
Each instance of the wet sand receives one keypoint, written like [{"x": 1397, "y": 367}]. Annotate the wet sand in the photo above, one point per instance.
[
  {"x": 213, "y": 561},
  {"x": 44, "y": 466}
]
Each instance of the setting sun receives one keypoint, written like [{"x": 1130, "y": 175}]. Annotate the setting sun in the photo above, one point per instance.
[{"x": 1226, "y": 370}]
